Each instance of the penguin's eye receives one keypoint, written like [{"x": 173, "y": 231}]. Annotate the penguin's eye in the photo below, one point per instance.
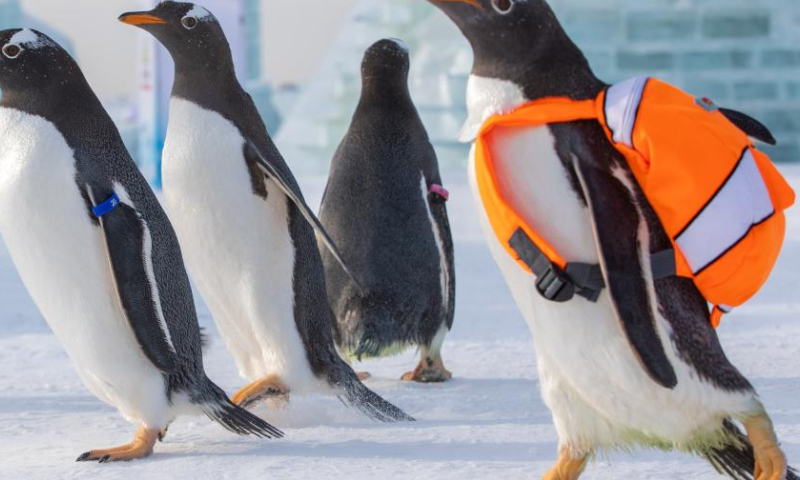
[
  {"x": 189, "y": 22},
  {"x": 12, "y": 51},
  {"x": 503, "y": 6}
]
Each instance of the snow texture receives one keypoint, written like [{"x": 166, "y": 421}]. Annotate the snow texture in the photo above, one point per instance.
[{"x": 488, "y": 423}]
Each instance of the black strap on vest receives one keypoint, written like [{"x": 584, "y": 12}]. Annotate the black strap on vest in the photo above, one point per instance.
[
  {"x": 663, "y": 264},
  {"x": 582, "y": 279},
  {"x": 553, "y": 282}
]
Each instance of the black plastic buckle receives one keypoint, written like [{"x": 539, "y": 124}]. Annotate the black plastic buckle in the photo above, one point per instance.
[{"x": 555, "y": 285}]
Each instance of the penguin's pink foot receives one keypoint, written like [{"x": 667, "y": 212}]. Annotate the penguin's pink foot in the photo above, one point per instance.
[
  {"x": 771, "y": 462},
  {"x": 429, "y": 371},
  {"x": 270, "y": 387},
  {"x": 141, "y": 447},
  {"x": 566, "y": 468},
  {"x": 364, "y": 376}
]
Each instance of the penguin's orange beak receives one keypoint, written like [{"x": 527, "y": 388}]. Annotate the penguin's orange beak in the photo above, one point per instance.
[
  {"x": 137, "y": 19},
  {"x": 474, "y": 3}
]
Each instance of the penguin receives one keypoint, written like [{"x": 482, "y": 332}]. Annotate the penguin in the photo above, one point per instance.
[
  {"x": 642, "y": 366},
  {"x": 97, "y": 252},
  {"x": 245, "y": 228},
  {"x": 384, "y": 206}
]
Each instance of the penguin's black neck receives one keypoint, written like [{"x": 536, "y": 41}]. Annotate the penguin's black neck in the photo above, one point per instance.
[
  {"x": 384, "y": 90},
  {"x": 61, "y": 101},
  {"x": 204, "y": 82},
  {"x": 548, "y": 65},
  {"x": 213, "y": 85}
]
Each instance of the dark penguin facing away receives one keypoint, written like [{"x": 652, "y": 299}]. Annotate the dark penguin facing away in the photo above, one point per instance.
[
  {"x": 244, "y": 226},
  {"x": 96, "y": 251},
  {"x": 385, "y": 208},
  {"x": 642, "y": 365}
]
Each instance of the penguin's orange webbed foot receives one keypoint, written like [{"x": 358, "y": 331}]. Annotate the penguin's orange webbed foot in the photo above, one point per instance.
[
  {"x": 771, "y": 462},
  {"x": 270, "y": 387},
  {"x": 566, "y": 468},
  {"x": 141, "y": 447},
  {"x": 363, "y": 376},
  {"x": 429, "y": 371}
]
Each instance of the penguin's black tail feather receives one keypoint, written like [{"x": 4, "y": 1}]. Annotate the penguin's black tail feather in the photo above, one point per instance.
[
  {"x": 370, "y": 347},
  {"x": 383, "y": 336},
  {"x": 236, "y": 419},
  {"x": 375, "y": 327},
  {"x": 355, "y": 394},
  {"x": 737, "y": 459}
]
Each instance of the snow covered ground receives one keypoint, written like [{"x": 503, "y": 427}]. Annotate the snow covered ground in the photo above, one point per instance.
[{"x": 488, "y": 423}]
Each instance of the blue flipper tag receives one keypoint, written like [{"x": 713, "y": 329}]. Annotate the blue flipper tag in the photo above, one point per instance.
[{"x": 106, "y": 207}]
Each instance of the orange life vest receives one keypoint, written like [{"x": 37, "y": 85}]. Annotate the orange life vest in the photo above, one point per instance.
[{"x": 719, "y": 199}]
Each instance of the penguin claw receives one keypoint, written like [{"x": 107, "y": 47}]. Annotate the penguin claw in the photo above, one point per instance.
[
  {"x": 270, "y": 387},
  {"x": 140, "y": 447},
  {"x": 770, "y": 462},
  {"x": 429, "y": 371},
  {"x": 84, "y": 457}
]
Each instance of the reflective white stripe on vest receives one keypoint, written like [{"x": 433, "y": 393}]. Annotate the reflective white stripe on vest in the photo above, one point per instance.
[
  {"x": 742, "y": 202},
  {"x": 622, "y": 106}
]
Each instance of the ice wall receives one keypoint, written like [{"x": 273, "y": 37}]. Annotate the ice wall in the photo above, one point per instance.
[{"x": 743, "y": 53}]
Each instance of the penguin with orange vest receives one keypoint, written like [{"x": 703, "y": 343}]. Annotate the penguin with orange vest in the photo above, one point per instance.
[{"x": 614, "y": 241}]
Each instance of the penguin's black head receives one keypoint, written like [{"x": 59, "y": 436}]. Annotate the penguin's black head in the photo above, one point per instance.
[
  {"x": 30, "y": 60},
  {"x": 500, "y": 29},
  {"x": 386, "y": 61},
  {"x": 520, "y": 41},
  {"x": 191, "y": 33}
]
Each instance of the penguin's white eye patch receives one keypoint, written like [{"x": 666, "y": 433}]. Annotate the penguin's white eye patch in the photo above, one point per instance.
[
  {"x": 12, "y": 51},
  {"x": 503, "y": 6},
  {"x": 189, "y": 22}
]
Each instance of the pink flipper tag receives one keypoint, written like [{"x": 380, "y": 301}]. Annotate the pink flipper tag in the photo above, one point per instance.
[{"x": 441, "y": 191}]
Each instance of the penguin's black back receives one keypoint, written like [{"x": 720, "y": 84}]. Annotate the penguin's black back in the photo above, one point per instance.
[{"x": 376, "y": 210}]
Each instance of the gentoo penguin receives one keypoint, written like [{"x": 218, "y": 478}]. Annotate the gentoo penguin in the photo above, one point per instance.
[
  {"x": 384, "y": 206},
  {"x": 642, "y": 365},
  {"x": 243, "y": 223},
  {"x": 96, "y": 251}
]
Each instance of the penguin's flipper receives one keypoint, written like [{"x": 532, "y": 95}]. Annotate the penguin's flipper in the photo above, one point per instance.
[
  {"x": 616, "y": 223},
  {"x": 254, "y": 155},
  {"x": 438, "y": 207},
  {"x": 129, "y": 245},
  {"x": 439, "y": 213},
  {"x": 749, "y": 125}
]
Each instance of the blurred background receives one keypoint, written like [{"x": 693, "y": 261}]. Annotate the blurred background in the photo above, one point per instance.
[{"x": 300, "y": 61}]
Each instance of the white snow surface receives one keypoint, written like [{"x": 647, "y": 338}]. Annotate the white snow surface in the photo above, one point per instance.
[{"x": 488, "y": 423}]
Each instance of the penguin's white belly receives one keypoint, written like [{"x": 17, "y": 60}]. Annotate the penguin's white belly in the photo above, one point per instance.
[
  {"x": 590, "y": 377},
  {"x": 62, "y": 259},
  {"x": 236, "y": 244}
]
